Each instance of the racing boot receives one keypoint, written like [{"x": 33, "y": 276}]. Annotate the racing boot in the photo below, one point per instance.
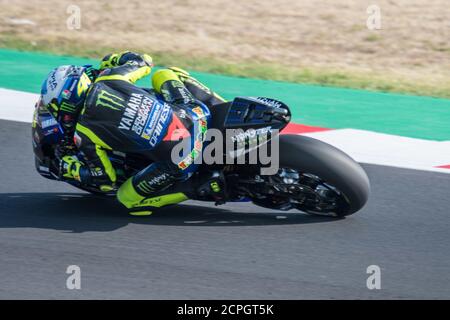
[
  {"x": 136, "y": 193},
  {"x": 197, "y": 89}
]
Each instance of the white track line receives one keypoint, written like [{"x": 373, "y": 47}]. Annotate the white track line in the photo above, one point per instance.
[
  {"x": 389, "y": 150},
  {"x": 17, "y": 105},
  {"x": 364, "y": 146}
]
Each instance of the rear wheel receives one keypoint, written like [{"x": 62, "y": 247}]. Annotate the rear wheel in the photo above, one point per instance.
[{"x": 316, "y": 178}]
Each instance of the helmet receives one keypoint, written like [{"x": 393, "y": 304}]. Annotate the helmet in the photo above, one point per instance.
[{"x": 65, "y": 88}]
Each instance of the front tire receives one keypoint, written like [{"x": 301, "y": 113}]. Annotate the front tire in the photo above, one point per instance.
[{"x": 331, "y": 165}]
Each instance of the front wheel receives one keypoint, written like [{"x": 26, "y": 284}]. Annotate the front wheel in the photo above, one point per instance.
[{"x": 316, "y": 178}]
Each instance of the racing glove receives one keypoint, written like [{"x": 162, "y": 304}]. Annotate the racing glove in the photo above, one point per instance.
[
  {"x": 119, "y": 59},
  {"x": 71, "y": 168}
]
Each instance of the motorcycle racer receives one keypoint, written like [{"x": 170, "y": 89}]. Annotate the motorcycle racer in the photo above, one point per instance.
[{"x": 103, "y": 111}]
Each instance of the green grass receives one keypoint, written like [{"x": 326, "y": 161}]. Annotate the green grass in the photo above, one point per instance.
[
  {"x": 372, "y": 38},
  {"x": 251, "y": 69}
]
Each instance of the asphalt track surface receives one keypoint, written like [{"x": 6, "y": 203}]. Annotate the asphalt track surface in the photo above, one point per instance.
[{"x": 199, "y": 251}]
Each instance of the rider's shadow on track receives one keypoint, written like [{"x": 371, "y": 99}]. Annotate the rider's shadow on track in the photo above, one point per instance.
[{"x": 78, "y": 212}]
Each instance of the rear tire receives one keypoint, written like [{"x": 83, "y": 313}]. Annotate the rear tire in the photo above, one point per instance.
[{"x": 308, "y": 155}]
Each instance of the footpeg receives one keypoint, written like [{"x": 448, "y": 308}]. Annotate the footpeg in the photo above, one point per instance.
[{"x": 214, "y": 187}]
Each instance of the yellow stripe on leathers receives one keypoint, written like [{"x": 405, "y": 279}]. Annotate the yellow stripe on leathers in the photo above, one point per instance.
[
  {"x": 131, "y": 77},
  {"x": 100, "y": 147}
]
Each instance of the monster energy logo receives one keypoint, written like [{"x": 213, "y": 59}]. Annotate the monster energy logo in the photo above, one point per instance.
[
  {"x": 68, "y": 107},
  {"x": 109, "y": 100},
  {"x": 143, "y": 186},
  {"x": 148, "y": 186}
]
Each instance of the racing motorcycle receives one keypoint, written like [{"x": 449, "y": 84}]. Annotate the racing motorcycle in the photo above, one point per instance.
[{"x": 312, "y": 176}]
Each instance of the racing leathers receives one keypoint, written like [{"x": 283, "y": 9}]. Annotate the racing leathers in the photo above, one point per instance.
[{"x": 119, "y": 116}]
